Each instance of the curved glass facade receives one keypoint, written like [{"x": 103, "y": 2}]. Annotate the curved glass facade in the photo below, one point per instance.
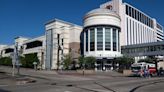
[{"x": 101, "y": 38}]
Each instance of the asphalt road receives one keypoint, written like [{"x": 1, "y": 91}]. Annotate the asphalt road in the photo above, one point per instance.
[{"x": 103, "y": 82}]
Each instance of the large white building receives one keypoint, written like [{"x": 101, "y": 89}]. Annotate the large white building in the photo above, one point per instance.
[
  {"x": 105, "y": 30},
  {"x": 62, "y": 38},
  {"x": 117, "y": 24},
  {"x": 136, "y": 26}
]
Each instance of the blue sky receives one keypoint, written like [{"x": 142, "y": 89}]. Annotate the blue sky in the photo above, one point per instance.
[{"x": 27, "y": 17}]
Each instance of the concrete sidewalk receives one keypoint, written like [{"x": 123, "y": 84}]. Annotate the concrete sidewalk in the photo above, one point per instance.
[{"x": 61, "y": 75}]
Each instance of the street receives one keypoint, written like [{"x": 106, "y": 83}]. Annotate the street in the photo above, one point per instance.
[{"x": 51, "y": 81}]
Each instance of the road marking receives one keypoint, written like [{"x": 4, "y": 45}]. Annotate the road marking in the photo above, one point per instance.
[{"x": 3, "y": 85}]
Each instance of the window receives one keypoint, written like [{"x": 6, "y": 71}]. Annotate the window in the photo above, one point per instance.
[
  {"x": 99, "y": 38},
  {"x": 140, "y": 17},
  {"x": 62, "y": 41},
  {"x": 130, "y": 11},
  {"x": 86, "y": 33},
  {"x": 114, "y": 40},
  {"x": 118, "y": 40},
  {"x": 92, "y": 39},
  {"x": 127, "y": 32},
  {"x": 127, "y": 11},
  {"x": 107, "y": 39},
  {"x": 135, "y": 14}
]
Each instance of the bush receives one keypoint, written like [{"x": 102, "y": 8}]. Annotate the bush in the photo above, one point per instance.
[
  {"x": 125, "y": 62},
  {"x": 89, "y": 62},
  {"x": 6, "y": 61},
  {"x": 28, "y": 59}
]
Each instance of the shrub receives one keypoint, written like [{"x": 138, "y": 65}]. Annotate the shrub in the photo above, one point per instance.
[
  {"x": 28, "y": 59},
  {"x": 6, "y": 61}
]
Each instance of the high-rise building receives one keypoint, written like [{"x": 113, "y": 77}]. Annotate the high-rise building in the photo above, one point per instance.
[
  {"x": 136, "y": 26},
  {"x": 113, "y": 25}
]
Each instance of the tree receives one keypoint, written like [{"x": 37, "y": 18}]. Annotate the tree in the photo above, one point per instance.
[
  {"x": 87, "y": 62},
  {"x": 28, "y": 60},
  {"x": 90, "y": 62},
  {"x": 81, "y": 61},
  {"x": 124, "y": 62},
  {"x": 67, "y": 61},
  {"x": 6, "y": 61}
]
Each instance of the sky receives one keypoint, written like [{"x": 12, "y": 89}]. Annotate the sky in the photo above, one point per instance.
[{"x": 27, "y": 18}]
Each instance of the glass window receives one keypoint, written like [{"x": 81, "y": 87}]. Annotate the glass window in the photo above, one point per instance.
[
  {"x": 135, "y": 14},
  {"x": 92, "y": 39},
  {"x": 127, "y": 12},
  {"x": 127, "y": 31},
  {"x": 130, "y": 11},
  {"x": 99, "y": 38},
  {"x": 118, "y": 40},
  {"x": 140, "y": 17},
  {"x": 107, "y": 39},
  {"x": 114, "y": 40},
  {"x": 86, "y": 40}
]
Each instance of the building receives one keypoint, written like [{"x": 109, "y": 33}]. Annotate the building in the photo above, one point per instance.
[
  {"x": 101, "y": 37},
  {"x": 114, "y": 29},
  {"x": 7, "y": 51},
  {"x": 117, "y": 24},
  {"x": 36, "y": 46},
  {"x": 136, "y": 26},
  {"x": 62, "y": 38},
  {"x": 25, "y": 46}
]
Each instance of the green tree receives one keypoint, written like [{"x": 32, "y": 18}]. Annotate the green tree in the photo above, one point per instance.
[
  {"x": 90, "y": 62},
  {"x": 81, "y": 61},
  {"x": 28, "y": 59},
  {"x": 87, "y": 62},
  {"x": 6, "y": 61},
  {"x": 124, "y": 62},
  {"x": 67, "y": 61}
]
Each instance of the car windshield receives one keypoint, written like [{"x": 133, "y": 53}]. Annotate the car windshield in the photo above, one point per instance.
[{"x": 136, "y": 68}]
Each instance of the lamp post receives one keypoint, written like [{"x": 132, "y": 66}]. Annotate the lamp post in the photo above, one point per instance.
[{"x": 16, "y": 54}]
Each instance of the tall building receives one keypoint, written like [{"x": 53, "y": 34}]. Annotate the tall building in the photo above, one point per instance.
[
  {"x": 113, "y": 25},
  {"x": 136, "y": 26},
  {"x": 62, "y": 38}
]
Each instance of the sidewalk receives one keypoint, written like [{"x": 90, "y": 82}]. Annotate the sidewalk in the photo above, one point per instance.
[
  {"x": 44, "y": 74},
  {"x": 62, "y": 75}
]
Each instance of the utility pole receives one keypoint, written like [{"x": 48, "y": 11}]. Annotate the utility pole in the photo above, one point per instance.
[
  {"x": 17, "y": 57},
  {"x": 13, "y": 63}
]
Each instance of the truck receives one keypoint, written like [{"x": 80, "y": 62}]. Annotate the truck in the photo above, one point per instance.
[{"x": 138, "y": 69}]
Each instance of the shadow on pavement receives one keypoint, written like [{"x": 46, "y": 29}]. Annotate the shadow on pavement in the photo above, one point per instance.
[{"x": 1, "y": 90}]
